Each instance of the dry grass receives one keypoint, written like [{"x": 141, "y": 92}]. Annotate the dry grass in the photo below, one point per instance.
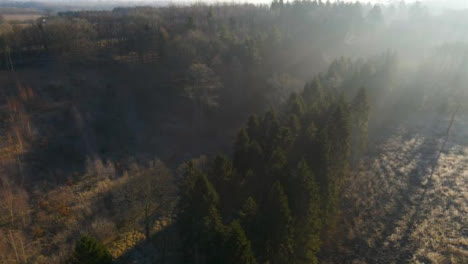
[{"x": 403, "y": 214}]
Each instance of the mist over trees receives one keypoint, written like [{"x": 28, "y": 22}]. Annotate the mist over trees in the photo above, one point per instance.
[{"x": 222, "y": 133}]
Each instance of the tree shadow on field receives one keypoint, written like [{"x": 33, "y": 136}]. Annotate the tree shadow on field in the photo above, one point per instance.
[
  {"x": 414, "y": 195},
  {"x": 162, "y": 247},
  {"x": 379, "y": 252}
]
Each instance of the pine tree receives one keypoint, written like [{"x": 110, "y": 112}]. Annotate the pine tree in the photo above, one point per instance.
[
  {"x": 89, "y": 251},
  {"x": 221, "y": 170},
  {"x": 295, "y": 105},
  {"x": 313, "y": 93},
  {"x": 277, "y": 227},
  {"x": 274, "y": 5},
  {"x": 294, "y": 124},
  {"x": 237, "y": 248},
  {"x": 250, "y": 220},
  {"x": 277, "y": 165},
  {"x": 249, "y": 185},
  {"x": 198, "y": 218},
  {"x": 306, "y": 207},
  {"x": 249, "y": 209},
  {"x": 214, "y": 235},
  {"x": 360, "y": 122},
  {"x": 221, "y": 173},
  {"x": 241, "y": 149},
  {"x": 285, "y": 138},
  {"x": 253, "y": 127},
  {"x": 223, "y": 178},
  {"x": 319, "y": 159},
  {"x": 337, "y": 165},
  {"x": 255, "y": 159},
  {"x": 339, "y": 134},
  {"x": 271, "y": 128},
  {"x": 190, "y": 22},
  {"x": 272, "y": 138}
]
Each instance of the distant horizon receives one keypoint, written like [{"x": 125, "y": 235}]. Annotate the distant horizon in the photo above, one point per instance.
[
  {"x": 433, "y": 5},
  {"x": 384, "y": 2}
]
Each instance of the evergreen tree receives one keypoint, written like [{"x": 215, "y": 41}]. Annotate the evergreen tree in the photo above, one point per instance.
[
  {"x": 210, "y": 15},
  {"x": 295, "y": 105},
  {"x": 270, "y": 127},
  {"x": 277, "y": 227},
  {"x": 198, "y": 219},
  {"x": 306, "y": 207},
  {"x": 241, "y": 149},
  {"x": 320, "y": 160},
  {"x": 89, "y": 251},
  {"x": 285, "y": 138},
  {"x": 250, "y": 184},
  {"x": 253, "y": 128},
  {"x": 288, "y": 223},
  {"x": 339, "y": 150},
  {"x": 223, "y": 178},
  {"x": 214, "y": 235},
  {"x": 313, "y": 93},
  {"x": 190, "y": 22},
  {"x": 250, "y": 220},
  {"x": 270, "y": 120},
  {"x": 221, "y": 170},
  {"x": 360, "y": 122},
  {"x": 277, "y": 165},
  {"x": 274, "y": 5},
  {"x": 249, "y": 210},
  {"x": 237, "y": 246},
  {"x": 294, "y": 124},
  {"x": 375, "y": 15},
  {"x": 339, "y": 134},
  {"x": 256, "y": 159}
]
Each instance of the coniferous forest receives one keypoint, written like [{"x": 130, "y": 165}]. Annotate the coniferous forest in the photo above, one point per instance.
[{"x": 287, "y": 132}]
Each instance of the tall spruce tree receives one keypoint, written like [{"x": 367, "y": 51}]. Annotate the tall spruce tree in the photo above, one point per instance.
[
  {"x": 253, "y": 127},
  {"x": 222, "y": 175},
  {"x": 360, "y": 123},
  {"x": 198, "y": 217},
  {"x": 306, "y": 207},
  {"x": 313, "y": 93},
  {"x": 237, "y": 248},
  {"x": 241, "y": 149},
  {"x": 295, "y": 105},
  {"x": 337, "y": 166},
  {"x": 277, "y": 227},
  {"x": 250, "y": 219}
]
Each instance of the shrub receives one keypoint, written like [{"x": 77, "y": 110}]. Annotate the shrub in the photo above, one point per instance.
[{"x": 89, "y": 251}]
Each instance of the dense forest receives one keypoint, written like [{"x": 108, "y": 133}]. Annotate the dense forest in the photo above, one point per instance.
[{"x": 294, "y": 132}]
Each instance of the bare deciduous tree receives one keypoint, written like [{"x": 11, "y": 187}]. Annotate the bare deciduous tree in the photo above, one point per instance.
[
  {"x": 202, "y": 86},
  {"x": 147, "y": 195}
]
